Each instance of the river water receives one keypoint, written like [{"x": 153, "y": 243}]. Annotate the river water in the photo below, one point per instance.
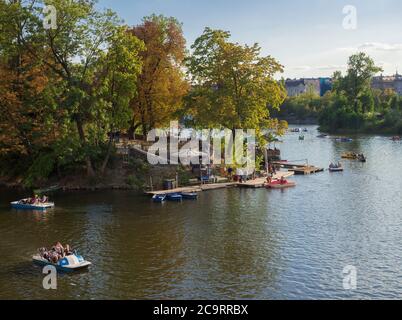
[{"x": 230, "y": 244}]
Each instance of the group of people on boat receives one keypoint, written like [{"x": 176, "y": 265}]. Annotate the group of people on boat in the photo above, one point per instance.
[
  {"x": 56, "y": 253},
  {"x": 282, "y": 180},
  {"x": 35, "y": 200}
]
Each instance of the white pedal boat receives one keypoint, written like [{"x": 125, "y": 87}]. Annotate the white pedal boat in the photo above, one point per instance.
[
  {"x": 22, "y": 205},
  {"x": 68, "y": 264}
]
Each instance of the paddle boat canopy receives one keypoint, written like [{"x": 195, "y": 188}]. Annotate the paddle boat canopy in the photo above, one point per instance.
[
  {"x": 74, "y": 262},
  {"x": 25, "y": 205}
]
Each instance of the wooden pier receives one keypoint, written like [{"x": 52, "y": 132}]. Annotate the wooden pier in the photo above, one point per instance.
[
  {"x": 199, "y": 188},
  {"x": 253, "y": 184}
]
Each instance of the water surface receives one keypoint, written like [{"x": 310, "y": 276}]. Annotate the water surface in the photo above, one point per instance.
[{"x": 230, "y": 244}]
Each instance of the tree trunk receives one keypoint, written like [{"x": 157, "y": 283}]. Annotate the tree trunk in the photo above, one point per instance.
[
  {"x": 90, "y": 170},
  {"x": 107, "y": 157}
]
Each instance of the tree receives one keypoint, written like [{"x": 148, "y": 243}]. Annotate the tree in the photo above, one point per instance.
[
  {"x": 120, "y": 67},
  {"x": 357, "y": 82},
  {"x": 74, "y": 54},
  {"x": 232, "y": 85},
  {"x": 161, "y": 85},
  {"x": 70, "y": 86}
]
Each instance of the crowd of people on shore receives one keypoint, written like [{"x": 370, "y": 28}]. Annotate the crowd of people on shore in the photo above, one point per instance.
[{"x": 56, "y": 253}]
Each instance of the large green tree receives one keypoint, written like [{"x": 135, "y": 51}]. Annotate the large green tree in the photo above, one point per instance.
[
  {"x": 356, "y": 84},
  {"x": 91, "y": 66},
  {"x": 233, "y": 86}
]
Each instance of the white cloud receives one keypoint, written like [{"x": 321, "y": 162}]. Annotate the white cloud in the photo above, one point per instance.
[
  {"x": 380, "y": 46},
  {"x": 373, "y": 46},
  {"x": 332, "y": 67}
]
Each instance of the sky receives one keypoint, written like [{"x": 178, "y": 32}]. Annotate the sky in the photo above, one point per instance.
[{"x": 306, "y": 36}]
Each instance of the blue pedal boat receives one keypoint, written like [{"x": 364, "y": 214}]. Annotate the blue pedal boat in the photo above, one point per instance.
[
  {"x": 74, "y": 262},
  {"x": 24, "y": 205},
  {"x": 189, "y": 195},
  {"x": 159, "y": 198},
  {"x": 175, "y": 197}
]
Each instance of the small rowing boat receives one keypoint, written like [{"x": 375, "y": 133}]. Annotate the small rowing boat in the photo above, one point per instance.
[
  {"x": 69, "y": 263},
  {"x": 189, "y": 195},
  {"x": 159, "y": 198},
  {"x": 278, "y": 184},
  {"x": 37, "y": 206},
  {"x": 175, "y": 197},
  {"x": 396, "y": 138}
]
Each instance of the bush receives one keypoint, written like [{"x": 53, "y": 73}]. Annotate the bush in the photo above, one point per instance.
[
  {"x": 135, "y": 182},
  {"x": 40, "y": 169}
]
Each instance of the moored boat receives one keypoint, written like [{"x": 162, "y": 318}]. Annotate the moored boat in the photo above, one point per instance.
[
  {"x": 177, "y": 197},
  {"x": 189, "y": 195},
  {"x": 159, "y": 198},
  {"x": 301, "y": 138},
  {"x": 24, "y": 204},
  {"x": 396, "y": 138},
  {"x": 74, "y": 262},
  {"x": 280, "y": 184}
]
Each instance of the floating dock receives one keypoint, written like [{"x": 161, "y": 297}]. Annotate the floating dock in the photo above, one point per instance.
[
  {"x": 299, "y": 169},
  {"x": 260, "y": 182}
]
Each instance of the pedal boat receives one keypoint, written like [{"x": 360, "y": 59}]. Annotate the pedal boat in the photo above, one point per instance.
[
  {"x": 70, "y": 263},
  {"x": 336, "y": 169},
  {"x": 159, "y": 198},
  {"x": 277, "y": 184},
  {"x": 189, "y": 195},
  {"x": 175, "y": 197},
  {"x": 20, "y": 205}
]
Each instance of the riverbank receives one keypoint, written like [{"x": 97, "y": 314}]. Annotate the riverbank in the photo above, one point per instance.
[{"x": 367, "y": 130}]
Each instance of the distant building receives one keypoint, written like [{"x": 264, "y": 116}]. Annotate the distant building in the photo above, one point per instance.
[
  {"x": 388, "y": 82},
  {"x": 318, "y": 86}
]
